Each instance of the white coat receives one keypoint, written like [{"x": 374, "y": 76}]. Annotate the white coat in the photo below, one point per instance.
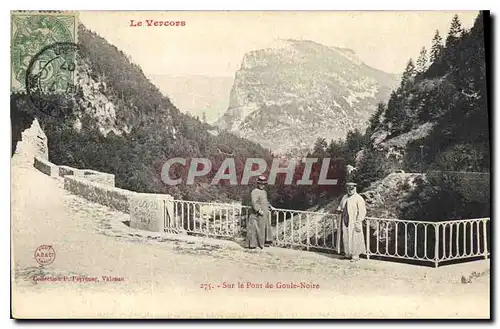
[{"x": 353, "y": 214}]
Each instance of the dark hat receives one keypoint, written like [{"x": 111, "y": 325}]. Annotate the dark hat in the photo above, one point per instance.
[{"x": 262, "y": 179}]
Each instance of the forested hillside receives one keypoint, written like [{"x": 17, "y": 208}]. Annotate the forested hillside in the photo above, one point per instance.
[
  {"x": 437, "y": 122},
  {"x": 120, "y": 123},
  {"x": 451, "y": 94}
]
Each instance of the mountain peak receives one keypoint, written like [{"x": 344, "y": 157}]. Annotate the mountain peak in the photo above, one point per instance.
[
  {"x": 288, "y": 42},
  {"x": 294, "y": 91}
]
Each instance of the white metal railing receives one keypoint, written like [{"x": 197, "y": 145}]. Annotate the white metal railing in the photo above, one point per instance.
[
  {"x": 294, "y": 228},
  {"x": 434, "y": 242},
  {"x": 421, "y": 241},
  {"x": 400, "y": 239},
  {"x": 208, "y": 218},
  {"x": 465, "y": 238}
]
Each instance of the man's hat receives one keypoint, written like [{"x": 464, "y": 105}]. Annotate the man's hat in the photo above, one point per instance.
[
  {"x": 351, "y": 184},
  {"x": 262, "y": 179}
]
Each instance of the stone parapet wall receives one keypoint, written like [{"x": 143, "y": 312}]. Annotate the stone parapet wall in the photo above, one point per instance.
[
  {"x": 150, "y": 211},
  {"x": 99, "y": 177},
  {"x": 147, "y": 211},
  {"x": 46, "y": 167},
  {"x": 69, "y": 171},
  {"x": 95, "y": 192},
  {"x": 91, "y": 175}
]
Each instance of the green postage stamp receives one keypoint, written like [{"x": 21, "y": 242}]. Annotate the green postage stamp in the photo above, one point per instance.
[{"x": 35, "y": 37}]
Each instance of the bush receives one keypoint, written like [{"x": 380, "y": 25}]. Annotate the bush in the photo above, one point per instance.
[
  {"x": 372, "y": 167},
  {"x": 449, "y": 196}
]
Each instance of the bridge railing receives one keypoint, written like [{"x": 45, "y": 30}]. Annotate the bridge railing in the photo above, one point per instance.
[
  {"x": 307, "y": 229},
  {"x": 420, "y": 241},
  {"x": 208, "y": 218},
  {"x": 434, "y": 242}
]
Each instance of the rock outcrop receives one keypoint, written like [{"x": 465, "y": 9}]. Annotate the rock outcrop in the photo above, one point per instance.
[
  {"x": 293, "y": 92},
  {"x": 385, "y": 198},
  {"x": 33, "y": 143}
]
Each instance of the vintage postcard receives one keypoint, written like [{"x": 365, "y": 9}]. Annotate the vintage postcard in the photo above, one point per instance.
[{"x": 233, "y": 165}]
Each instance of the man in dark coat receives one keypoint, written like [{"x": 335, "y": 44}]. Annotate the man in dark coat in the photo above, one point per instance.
[{"x": 259, "y": 233}]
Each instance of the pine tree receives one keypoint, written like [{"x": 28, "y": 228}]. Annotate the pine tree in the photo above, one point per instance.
[
  {"x": 437, "y": 47},
  {"x": 335, "y": 149},
  {"x": 319, "y": 148},
  {"x": 455, "y": 31},
  {"x": 408, "y": 74},
  {"x": 390, "y": 112},
  {"x": 372, "y": 167},
  {"x": 452, "y": 41},
  {"x": 375, "y": 119},
  {"x": 354, "y": 142},
  {"x": 422, "y": 61}
]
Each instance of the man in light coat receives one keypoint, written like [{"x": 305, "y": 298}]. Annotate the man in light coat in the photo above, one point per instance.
[{"x": 353, "y": 209}]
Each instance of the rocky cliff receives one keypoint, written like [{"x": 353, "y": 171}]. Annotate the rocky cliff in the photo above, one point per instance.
[{"x": 293, "y": 92}]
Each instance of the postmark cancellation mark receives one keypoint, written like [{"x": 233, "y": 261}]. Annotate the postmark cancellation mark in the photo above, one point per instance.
[{"x": 30, "y": 33}]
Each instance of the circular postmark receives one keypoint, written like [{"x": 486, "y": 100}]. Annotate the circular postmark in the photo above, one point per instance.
[
  {"x": 45, "y": 255},
  {"x": 50, "y": 78},
  {"x": 31, "y": 32}
]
